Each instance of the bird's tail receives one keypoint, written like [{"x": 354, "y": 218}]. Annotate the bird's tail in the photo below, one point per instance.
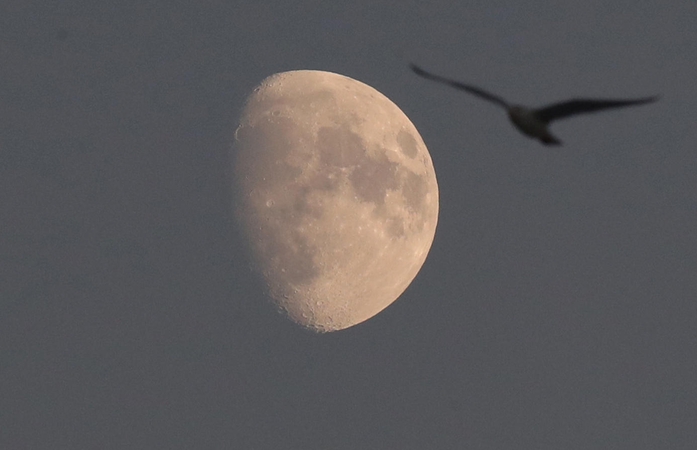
[{"x": 549, "y": 139}]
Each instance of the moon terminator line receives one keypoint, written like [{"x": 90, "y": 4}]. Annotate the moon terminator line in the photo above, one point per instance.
[{"x": 534, "y": 122}]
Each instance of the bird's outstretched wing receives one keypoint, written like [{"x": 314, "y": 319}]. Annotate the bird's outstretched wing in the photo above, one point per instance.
[
  {"x": 580, "y": 106},
  {"x": 456, "y": 84}
]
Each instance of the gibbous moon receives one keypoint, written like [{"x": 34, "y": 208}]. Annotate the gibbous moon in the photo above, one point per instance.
[{"x": 336, "y": 195}]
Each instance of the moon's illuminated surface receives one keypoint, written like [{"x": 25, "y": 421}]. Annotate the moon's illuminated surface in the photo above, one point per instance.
[{"x": 336, "y": 194}]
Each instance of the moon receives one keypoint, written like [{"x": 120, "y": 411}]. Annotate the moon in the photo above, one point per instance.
[{"x": 335, "y": 194}]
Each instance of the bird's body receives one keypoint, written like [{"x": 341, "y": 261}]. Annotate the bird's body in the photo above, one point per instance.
[
  {"x": 529, "y": 124},
  {"x": 534, "y": 122}
]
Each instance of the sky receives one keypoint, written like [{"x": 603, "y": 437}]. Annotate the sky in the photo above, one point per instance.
[{"x": 556, "y": 309}]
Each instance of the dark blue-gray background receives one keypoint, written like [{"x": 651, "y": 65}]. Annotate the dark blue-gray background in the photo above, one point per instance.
[{"x": 557, "y": 308}]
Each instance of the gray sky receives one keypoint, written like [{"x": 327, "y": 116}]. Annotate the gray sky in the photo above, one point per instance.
[{"x": 556, "y": 309}]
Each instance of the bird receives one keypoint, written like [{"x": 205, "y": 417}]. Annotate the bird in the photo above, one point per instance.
[{"x": 534, "y": 122}]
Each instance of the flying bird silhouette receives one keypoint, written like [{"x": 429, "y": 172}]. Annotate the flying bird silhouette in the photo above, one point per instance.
[{"x": 534, "y": 122}]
